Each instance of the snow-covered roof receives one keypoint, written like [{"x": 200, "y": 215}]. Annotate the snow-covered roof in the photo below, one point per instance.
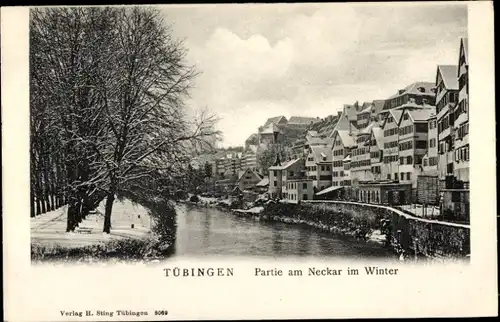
[
  {"x": 321, "y": 154},
  {"x": 284, "y": 165},
  {"x": 346, "y": 138},
  {"x": 329, "y": 189},
  {"x": 276, "y": 120},
  {"x": 414, "y": 88},
  {"x": 421, "y": 115},
  {"x": 264, "y": 182},
  {"x": 465, "y": 42},
  {"x": 302, "y": 120},
  {"x": 347, "y": 158},
  {"x": 378, "y": 134},
  {"x": 449, "y": 75}
]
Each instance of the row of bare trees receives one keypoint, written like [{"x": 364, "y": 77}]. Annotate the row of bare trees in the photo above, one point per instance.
[{"x": 107, "y": 93}]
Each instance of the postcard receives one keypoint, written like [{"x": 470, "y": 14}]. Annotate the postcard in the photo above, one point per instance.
[{"x": 249, "y": 161}]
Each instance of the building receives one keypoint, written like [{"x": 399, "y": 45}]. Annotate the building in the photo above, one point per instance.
[
  {"x": 376, "y": 152},
  {"x": 360, "y": 165},
  {"x": 248, "y": 179},
  {"x": 430, "y": 160},
  {"x": 413, "y": 144},
  {"x": 302, "y": 122},
  {"x": 446, "y": 100},
  {"x": 418, "y": 93},
  {"x": 385, "y": 193},
  {"x": 343, "y": 143},
  {"x": 249, "y": 158},
  {"x": 390, "y": 128},
  {"x": 461, "y": 118},
  {"x": 279, "y": 173},
  {"x": 299, "y": 189},
  {"x": 319, "y": 166},
  {"x": 263, "y": 185}
]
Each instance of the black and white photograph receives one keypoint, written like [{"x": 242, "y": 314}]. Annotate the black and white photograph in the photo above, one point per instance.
[
  {"x": 241, "y": 130},
  {"x": 249, "y": 161}
]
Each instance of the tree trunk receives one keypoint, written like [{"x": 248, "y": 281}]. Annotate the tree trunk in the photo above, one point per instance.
[
  {"x": 107, "y": 213},
  {"x": 32, "y": 201}
]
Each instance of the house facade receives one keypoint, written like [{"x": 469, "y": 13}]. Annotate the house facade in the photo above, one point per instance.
[
  {"x": 390, "y": 166},
  {"x": 343, "y": 143},
  {"x": 446, "y": 100},
  {"x": 319, "y": 166},
  {"x": 461, "y": 117},
  {"x": 430, "y": 160},
  {"x": 248, "y": 179},
  {"x": 299, "y": 189}
]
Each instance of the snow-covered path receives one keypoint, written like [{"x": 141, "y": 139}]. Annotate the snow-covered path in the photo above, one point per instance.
[{"x": 49, "y": 229}]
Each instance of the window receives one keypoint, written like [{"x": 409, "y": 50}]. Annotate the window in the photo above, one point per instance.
[
  {"x": 341, "y": 173},
  {"x": 401, "y": 160},
  {"x": 275, "y": 173},
  {"x": 304, "y": 185},
  {"x": 408, "y": 175},
  {"x": 327, "y": 168},
  {"x": 389, "y": 176},
  {"x": 304, "y": 197},
  {"x": 409, "y": 160},
  {"x": 405, "y": 116},
  {"x": 291, "y": 174},
  {"x": 275, "y": 183},
  {"x": 425, "y": 162},
  {"x": 396, "y": 177},
  {"x": 421, "y": 144},
  {"x": 402, "y": 174}
]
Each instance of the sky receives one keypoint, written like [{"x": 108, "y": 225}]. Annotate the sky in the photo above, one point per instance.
[{"x": 263, "y": 60}]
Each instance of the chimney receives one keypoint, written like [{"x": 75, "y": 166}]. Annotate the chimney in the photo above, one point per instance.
[{"x": 339, "y": 114}]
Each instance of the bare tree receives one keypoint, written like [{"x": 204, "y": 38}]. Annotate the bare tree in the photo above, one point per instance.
[{"x": 108, "y": 87}]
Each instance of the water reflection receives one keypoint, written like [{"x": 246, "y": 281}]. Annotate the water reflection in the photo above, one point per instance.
[{"x": 208, "y": 231}]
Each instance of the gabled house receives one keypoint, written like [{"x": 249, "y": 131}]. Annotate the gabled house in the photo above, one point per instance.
[
  {"x": 461, "y": 117},
  {"x": 248, "y": 178},
  {"x": 414, "y": 144},
  {"x": 376, "y": 152},
  {"x": 390, "y": 128},
  {"x": 360, "y": 165},
  {"x": 319, "y": 166},
  {"x": 343, "y": 143},
  {"x": 430, "y": 160},
  {"x": 280, "y": 173},
  {"x": 446, "y": 100}
]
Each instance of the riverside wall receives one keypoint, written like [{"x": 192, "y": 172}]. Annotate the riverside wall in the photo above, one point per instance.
[{"x": 405, "y": 233}]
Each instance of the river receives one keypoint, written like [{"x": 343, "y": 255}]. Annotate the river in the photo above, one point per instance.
[{"x": 212, "y": 232}]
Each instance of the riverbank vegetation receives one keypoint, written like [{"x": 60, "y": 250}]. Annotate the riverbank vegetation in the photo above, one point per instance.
[{"x": 107, "y": 109}]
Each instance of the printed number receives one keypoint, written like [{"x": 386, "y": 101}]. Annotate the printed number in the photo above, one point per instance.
[{"x": 165, "y": 312}]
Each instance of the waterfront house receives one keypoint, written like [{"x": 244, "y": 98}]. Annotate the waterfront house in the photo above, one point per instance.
[
  {"x": 319, "y": 166},
  {"x": 414, "y": 144},
  {"x": 446, "y": 100},
  {"x": 385, "y": 193},
  {"x": 299, "y": 189},
  {"x": 343, "y": 143},
  {"x": 461, "y": 117},
  {"x": 248, "y": 178},
  {"x": 418, "y": 93},
  {"x": 280, "y": 172},
  {"x": 291, "y": 170},
  {"x": 390, "y": 128},
  {"x": 360, "y": 166}
]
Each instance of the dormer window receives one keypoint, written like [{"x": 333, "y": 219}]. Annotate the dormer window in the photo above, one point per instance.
[
  {"x": 421, "y": 89},
  {"x": 401, "y": 91}
]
